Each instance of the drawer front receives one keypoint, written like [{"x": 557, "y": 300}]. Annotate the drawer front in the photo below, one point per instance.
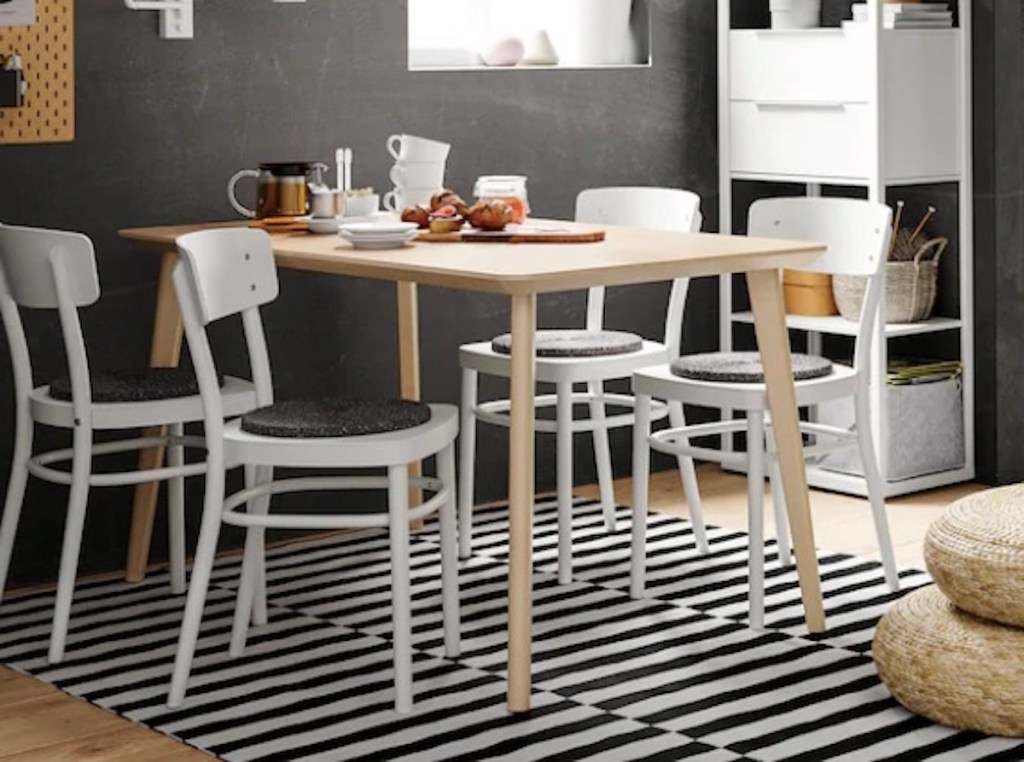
[
  {"x": 798, "y": 66},
  {"x": 826, "y": 140}
]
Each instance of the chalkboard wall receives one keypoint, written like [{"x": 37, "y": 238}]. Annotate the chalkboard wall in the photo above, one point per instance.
[{"x": 162, "y": 126}]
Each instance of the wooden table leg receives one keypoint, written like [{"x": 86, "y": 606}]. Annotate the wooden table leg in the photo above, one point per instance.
[
  {"x": 409, "y": 363},
  {"x": 520, "y": 488},
  {"x": 164, "y": 353},
  {"x": 773, "y": 342}
]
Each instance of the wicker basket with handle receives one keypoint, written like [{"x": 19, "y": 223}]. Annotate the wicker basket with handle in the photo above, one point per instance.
[{"x": 910, "y": 286}]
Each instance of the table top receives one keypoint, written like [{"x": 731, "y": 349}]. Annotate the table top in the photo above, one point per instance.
[{"x": 627, "y": 255}]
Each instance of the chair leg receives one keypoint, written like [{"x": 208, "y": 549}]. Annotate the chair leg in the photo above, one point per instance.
[
  {"x": 398, "y": 522},
  {"x": 691, "y": 489},
  {"x": 251, "y": 603},
  {"x": 876, "y": 489},
  {"x": 467, "y": 455},
  {"x": 449, "y": 558},
  {"x": 73, "y": 526},
  {"x": 176, "y": 513},
  {"x": 15, "y": 496},
  {"x": 199, "y": 583},
  {"x": 641, "y": 476},
  {"x": 779, "y": 505},
  {"x": 602, "y": 453},
  {"x": 755, "y": 505},
  {"x": 563, "y": 473}
]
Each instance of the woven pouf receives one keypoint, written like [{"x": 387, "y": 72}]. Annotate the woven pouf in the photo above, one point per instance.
[
  {"x": 975, "y": 554},
  {"x": 950, "y": 666}
]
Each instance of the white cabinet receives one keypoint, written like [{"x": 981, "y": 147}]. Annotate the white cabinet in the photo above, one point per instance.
[{"x": 860, "y": 106}]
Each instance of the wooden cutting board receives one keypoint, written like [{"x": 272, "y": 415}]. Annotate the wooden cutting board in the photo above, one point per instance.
[{"x": 525, "y": 234}]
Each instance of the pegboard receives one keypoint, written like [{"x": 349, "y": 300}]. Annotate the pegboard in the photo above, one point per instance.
[{"x": 47, "y": 50}]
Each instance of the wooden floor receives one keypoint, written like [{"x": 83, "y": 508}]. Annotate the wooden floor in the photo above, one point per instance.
[{"x": 39, "y": 723}]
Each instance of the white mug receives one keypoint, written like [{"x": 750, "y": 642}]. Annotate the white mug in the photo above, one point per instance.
[
  {"x": 412, "y": 148},
  {"x": 402, "y": 198},
  {"x": 418, "y": 174}
]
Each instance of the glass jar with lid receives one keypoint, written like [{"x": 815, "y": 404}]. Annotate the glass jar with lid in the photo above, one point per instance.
[{"x": 508, "y": 188}]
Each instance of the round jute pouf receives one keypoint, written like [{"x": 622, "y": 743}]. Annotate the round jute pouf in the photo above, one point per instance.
[
  {"x": 951, "y": 667},
  {"x": 975, "y": 554}
]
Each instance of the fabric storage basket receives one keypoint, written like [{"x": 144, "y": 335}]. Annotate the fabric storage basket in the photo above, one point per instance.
[
  {"x": 925, "y": 425},
  {"x": 910, "y": 287}
]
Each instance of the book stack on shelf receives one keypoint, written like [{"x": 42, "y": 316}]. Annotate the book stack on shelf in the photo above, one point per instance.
[{"x": 923, "y": 15}]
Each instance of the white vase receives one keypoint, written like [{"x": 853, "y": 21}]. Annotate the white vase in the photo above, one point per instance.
[
  {"x": 795, "y": 14},
  {"x": 590, "y": 32}
]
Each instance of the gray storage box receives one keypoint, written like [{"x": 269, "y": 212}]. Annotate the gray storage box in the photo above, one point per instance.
[{"x": 926, "y": 430}]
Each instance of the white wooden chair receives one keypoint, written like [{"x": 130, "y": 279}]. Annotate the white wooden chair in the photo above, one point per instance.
[
  {"x": 591, "y": 356},
  {"x": 857, "y": 234},
  {"x": 231, "y": 272},
  {"x": 48, "y": 269}
]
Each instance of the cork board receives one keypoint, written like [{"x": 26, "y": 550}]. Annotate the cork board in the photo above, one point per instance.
[{"x": 47, "y": 50}]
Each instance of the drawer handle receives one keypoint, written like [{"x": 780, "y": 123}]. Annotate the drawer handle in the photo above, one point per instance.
[{"x": 801, "y": 104}]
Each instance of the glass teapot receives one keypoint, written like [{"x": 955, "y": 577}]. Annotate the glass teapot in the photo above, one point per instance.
[{"x": 284, "y": 188}]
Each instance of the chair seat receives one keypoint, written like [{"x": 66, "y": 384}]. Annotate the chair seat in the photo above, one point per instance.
[
  {"x": 325, "y": 418},
  {"x": 576, "y": 343},
  {"x": 745, "y": 367},
  {"x": 135, "y": 385}
]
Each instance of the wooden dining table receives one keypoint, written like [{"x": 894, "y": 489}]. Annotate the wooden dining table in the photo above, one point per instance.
[{"x": 522, "y": 272}]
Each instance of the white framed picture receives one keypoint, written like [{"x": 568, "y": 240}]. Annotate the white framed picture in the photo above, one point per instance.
[{"x": 17, "y": 12}]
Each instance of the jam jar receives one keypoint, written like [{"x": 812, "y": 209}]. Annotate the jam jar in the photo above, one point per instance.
[{"x": 509, "y": 188}]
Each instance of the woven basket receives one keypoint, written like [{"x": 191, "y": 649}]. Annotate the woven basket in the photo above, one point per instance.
[
  {"x": 950, "y": 666},
  {"x": 975, "y": 554},
  {"x": 910, "y": 287}
]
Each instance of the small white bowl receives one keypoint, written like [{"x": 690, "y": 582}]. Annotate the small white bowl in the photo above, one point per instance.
[{"x": 324, "y": 226}]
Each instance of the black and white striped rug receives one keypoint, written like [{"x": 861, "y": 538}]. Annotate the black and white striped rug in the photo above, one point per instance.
[{"x": 678, "y": 676}]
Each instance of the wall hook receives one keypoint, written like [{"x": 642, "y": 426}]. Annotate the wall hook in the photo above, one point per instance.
[{"x": 176, "y": 16}]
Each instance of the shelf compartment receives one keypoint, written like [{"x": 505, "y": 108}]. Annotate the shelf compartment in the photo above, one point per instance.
[{"x": 836, "y": 325}]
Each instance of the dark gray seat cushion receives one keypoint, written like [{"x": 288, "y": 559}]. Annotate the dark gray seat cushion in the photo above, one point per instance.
[
  {"x": 569, "y": 343},
  {"x": 135, "y": 385},
  {"x": 317, "y": 419},
  {"x": 745, "y": 367}
]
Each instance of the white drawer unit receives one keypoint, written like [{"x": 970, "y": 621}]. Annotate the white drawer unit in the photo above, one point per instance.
[
  {"x": 858, "y": 109},
  {"x": 799, "y": 139},
  {"x": 798, "y": 65},
  {"x": 799, "y": 104}
]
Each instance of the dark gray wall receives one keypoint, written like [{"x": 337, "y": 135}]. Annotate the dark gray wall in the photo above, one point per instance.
[
  {"x": 162, "y": 125},
  {"x": 999, "y": 203}
]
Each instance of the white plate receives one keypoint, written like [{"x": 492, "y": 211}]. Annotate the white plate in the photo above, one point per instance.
[
  {"x": 377, "y": 229},
  {"x": 379, "y": 242},
  {"x": 378, "y": 216}
]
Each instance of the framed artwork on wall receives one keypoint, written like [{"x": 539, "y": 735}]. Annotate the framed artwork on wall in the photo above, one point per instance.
[{"x": 17, "y": 12}]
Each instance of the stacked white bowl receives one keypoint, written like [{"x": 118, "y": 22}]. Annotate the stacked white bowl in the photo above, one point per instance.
[{"x": 418, "y": 172}]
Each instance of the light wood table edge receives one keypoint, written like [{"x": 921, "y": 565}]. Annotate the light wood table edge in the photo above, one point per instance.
[
  {"x": 765, "y": 288},
  {"x": 165, "y": 352}
]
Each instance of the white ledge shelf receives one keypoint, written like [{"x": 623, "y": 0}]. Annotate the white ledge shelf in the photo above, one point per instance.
[
  {"x": 554, "y": 67},
  {"x": 837, "y": 325}
]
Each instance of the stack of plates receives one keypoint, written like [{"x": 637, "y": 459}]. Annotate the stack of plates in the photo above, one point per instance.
[{"x": 379, "y": 235}]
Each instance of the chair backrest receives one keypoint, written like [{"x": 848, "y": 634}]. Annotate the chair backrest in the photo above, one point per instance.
[
  {"x": 224, "y": 273},
  {"x": 653, "y": 208},
  {"x": 48, "y": 269},
  {"x": 857, "y": 235},
  {"x": 232, "y": 270}
]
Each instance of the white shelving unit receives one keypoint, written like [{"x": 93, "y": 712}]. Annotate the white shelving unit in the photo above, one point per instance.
[{"x": 858, "y": 106}]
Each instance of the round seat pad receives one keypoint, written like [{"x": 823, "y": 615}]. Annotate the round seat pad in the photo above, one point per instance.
[
  {"x": 318, "y": 419},
  {"x": 744, "y": 367},
  {"x": 576, "y": 343},
  {"x": 135, "y": 385}
]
